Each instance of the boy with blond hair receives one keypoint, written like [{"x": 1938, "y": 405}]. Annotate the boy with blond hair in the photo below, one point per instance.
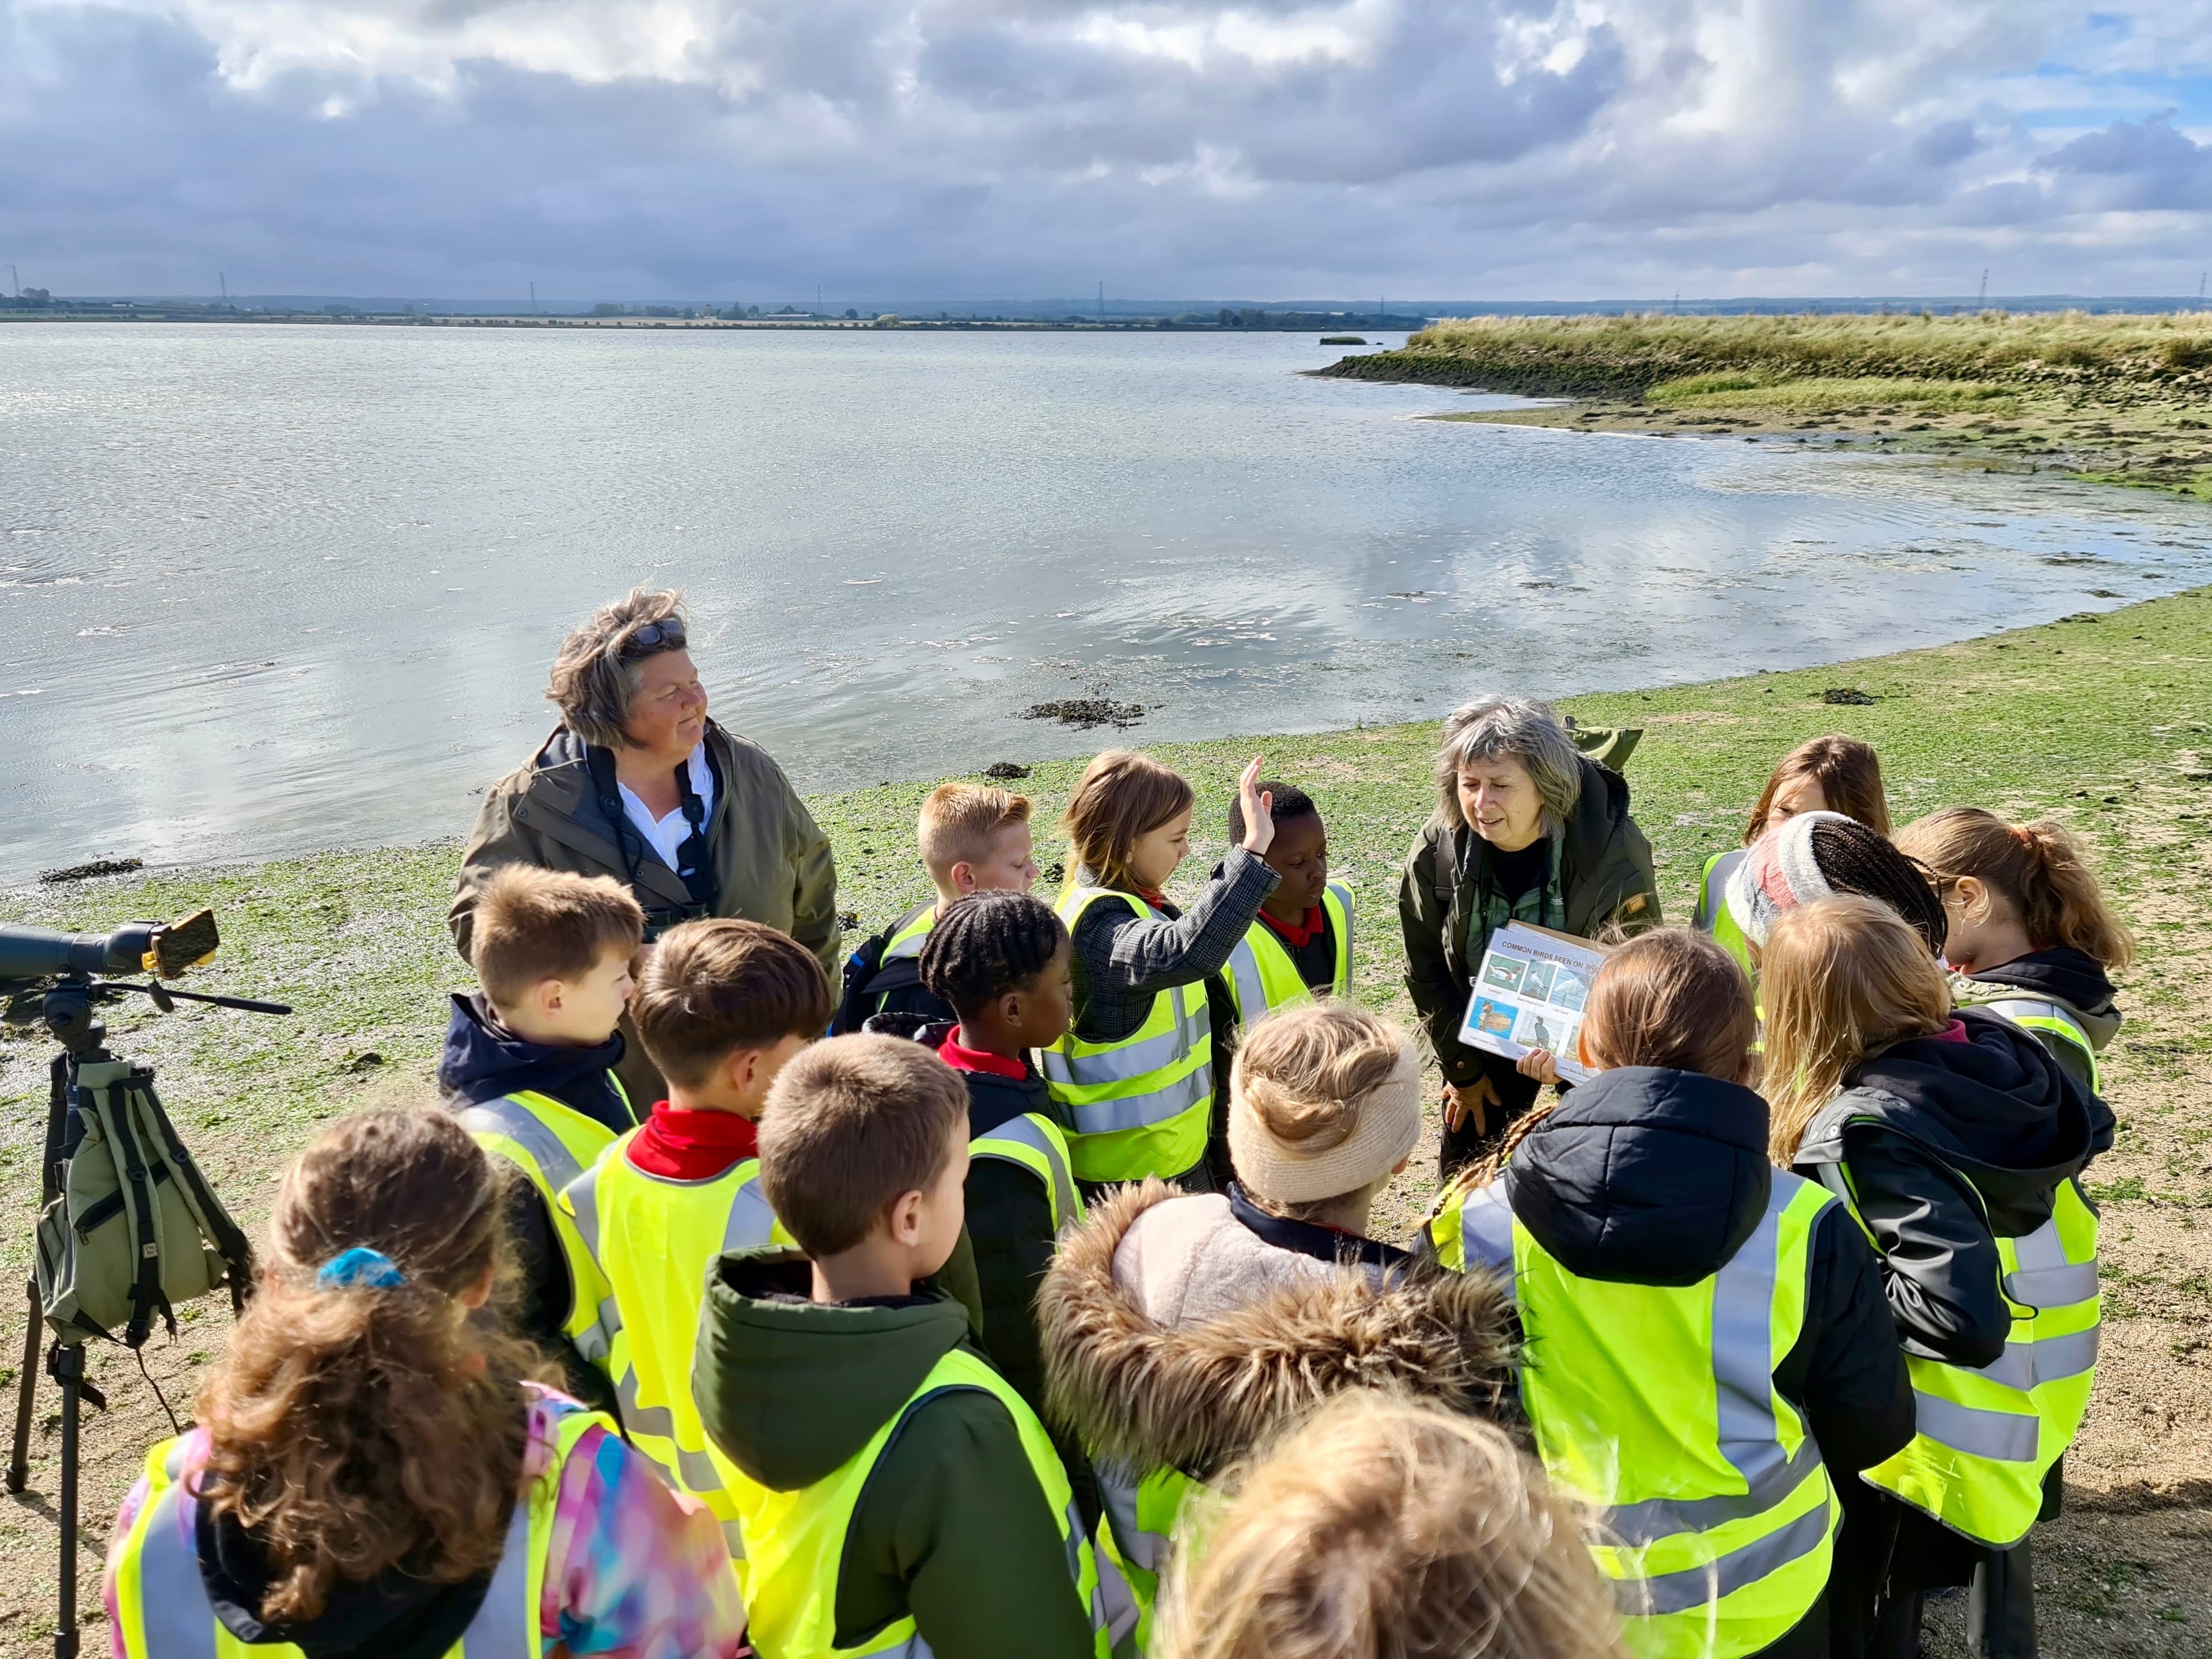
[
  {"x": 973, "y": 840},
  {"x": 895, "y": 1491},
  {"x": 530, "y": 1057}
]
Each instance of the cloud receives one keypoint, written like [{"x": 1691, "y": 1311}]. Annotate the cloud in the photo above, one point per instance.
[{"x": 707, "y": 147}]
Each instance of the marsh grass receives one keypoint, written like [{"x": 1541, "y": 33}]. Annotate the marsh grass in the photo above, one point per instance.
[{"x": 1633, "y": 354}]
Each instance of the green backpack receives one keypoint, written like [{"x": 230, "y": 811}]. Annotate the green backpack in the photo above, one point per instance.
[{"x": 134, "y": 1228}]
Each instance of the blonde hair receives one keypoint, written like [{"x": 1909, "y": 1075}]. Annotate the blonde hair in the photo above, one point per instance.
[
  {"x": 1849, "y": 772},
  {"x": 961, "y": 823},
  {"x": 596, "y": 675},
  {"x": 1385, "y": 1529},
  {"x": 351, "y": 1430},
  {"x": 1842, "y": 977},
  {"x": 1302, "y": 1071},
  {"x": 1122, "y": 795},
  {"x": 531, "y": 925},
  {"x": 2038, "y": 869}
]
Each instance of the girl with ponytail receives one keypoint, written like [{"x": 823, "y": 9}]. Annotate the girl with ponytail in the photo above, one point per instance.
[
  {"x": 2029, "y": 934},
  {"x": 379, "y": 1468}
]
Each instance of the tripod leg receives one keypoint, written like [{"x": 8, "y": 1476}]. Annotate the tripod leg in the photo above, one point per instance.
[
  {"x": 27, "y": 1389},
  {"x": 68, "y": 1363}
]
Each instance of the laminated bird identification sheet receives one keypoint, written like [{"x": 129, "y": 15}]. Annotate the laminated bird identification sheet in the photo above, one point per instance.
[{"x": 1529, "y": 991}]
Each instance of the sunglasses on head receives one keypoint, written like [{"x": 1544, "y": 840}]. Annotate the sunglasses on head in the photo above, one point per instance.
[{"x": 666, "y": 634}]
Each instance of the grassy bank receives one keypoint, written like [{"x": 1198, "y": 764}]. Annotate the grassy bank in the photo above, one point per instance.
[
  {"x": 2113, "y": 398},
  {"x": 2105, "y": 722}
]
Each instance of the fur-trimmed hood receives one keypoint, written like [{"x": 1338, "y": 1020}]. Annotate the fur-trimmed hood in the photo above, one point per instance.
[{"x": 1196, "y": 1396}]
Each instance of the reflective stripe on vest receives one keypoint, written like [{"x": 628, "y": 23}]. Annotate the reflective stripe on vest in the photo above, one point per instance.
[
  {"x": 1034, "y": 1142},
  {"x": 2049, "y": 1020},
  {"x": 654, "y": 1242},
  {"x": 909, "y": 935},
  {"x": 1659, "y": 1403},
  {"x": 1140, "y": 1529},
  {"x": 1712, "y": 913},
  {"x": 1142, "y": 1105},
  {"x": 1262, "y": 975},
  {"x": 162, "y": 1602},
  {"x": 1987, "y": 1437},
  {"x": 796, "y": 1540},
  {"x": 552, "y": 1143}
]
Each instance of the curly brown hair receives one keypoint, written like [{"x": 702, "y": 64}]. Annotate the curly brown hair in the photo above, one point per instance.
[{"x": 353, "y": 1431}]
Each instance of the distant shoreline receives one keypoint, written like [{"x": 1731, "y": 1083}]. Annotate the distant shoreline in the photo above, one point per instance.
[{"x": 2111, "y": 398}]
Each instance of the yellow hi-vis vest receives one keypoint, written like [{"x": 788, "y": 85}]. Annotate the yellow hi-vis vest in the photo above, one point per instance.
[
  {"x": 1986, "y": 1439},
  {"x": 1712, "y": 915},
  {"x": 552, "y": 1143},
  {"x": 2053, "y": 1024},
  {"x": 909, "y": 935},
  {"x": 1140, "y": 1105},
  {"x": 1657, "y": 1404},
  {"x": 1262, "y": 975},
  {"x": 796, "y": 1540},
  {"x": 653, "y": 1242},
  {"x": 1034, "y": 1141},
  {"x": 1138, "y": 1529},
  {"x": 161, "y": 1602}
]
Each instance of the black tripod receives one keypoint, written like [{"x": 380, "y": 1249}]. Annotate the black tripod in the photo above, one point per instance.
[{"x": 68, "y": 1011}]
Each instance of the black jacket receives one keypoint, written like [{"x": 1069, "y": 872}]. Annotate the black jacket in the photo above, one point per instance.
[
  {"x": 484, "y": 1060},
  {"x": 873, "y": 987},
  {"x": 1605, "y": 877},
  {"x": 1948, "y": 1146},
  {"x": 2062, "y": 975},
  {"x": 1648, "y": 1177}
]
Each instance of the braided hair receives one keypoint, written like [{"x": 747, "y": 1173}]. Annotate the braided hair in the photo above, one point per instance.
[
  {"x": 987, "y": 944},
  {"x": 1858, "y": 859}
]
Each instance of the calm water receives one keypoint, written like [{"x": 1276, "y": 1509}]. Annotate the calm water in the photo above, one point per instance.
[{"x": 268, "y": 590}]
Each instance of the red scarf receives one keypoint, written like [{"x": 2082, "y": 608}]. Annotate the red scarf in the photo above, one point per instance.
[{"x": 678, "y": 1144}]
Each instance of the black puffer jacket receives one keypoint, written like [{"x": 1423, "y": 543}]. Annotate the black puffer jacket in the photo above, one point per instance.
[
  {"x": 1950, "y": 1142},
  {"x": 1648, "y": 1177}
]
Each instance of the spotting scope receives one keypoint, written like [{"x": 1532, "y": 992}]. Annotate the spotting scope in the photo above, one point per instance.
[{"x": 161, "y": 949}]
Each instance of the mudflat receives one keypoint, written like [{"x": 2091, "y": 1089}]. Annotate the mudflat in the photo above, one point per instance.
[{"x": 2103, "y": 722}]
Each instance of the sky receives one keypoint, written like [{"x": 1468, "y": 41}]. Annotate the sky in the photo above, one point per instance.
[{"x": 659, "y": 149}]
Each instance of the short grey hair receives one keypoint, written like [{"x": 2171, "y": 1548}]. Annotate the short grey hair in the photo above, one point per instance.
[
  {"x": 594, "y": 679},
  {"x": 1524, "y": 729}
]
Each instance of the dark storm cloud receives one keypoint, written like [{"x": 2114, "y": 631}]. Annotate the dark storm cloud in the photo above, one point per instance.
[{"x": 972, "y": 147}]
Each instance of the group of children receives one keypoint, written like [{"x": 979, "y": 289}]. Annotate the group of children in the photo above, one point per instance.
[{"x": 1034, "y": 1310}]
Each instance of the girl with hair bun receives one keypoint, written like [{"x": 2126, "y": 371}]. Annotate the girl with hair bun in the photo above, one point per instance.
[
  {"x": 2029, "y": 932},
  {"x": 1659, "y": 1264},
  {"x": 378, "y": 1468},
  {"x": 1181, "y": 1331},
  {"x": 1959, "y": 1143}
]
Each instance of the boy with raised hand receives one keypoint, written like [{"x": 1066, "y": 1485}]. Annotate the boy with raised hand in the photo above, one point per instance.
[
  {"x": 722, "y": 1006},
  {"x": 529, "y": 1066},
  {"x": 973, "y": 839},
  {"x": 894, "y": 1488}
]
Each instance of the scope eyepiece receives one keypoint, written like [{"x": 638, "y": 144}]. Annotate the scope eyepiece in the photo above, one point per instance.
[{"x": 164, "y": 950}]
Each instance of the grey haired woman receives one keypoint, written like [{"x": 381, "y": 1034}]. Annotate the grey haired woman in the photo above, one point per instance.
[
  {"x": 638, "y": 784},
  {"x": 1526, "y": 827}
]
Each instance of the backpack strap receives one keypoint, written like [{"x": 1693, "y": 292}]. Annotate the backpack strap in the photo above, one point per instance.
[
  {"x": 214, "y": 1221},
  {"x": 140, "y": 1215}
]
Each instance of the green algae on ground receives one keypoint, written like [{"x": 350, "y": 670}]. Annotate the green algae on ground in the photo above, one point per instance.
[{"x": 2105, "y": 722}]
